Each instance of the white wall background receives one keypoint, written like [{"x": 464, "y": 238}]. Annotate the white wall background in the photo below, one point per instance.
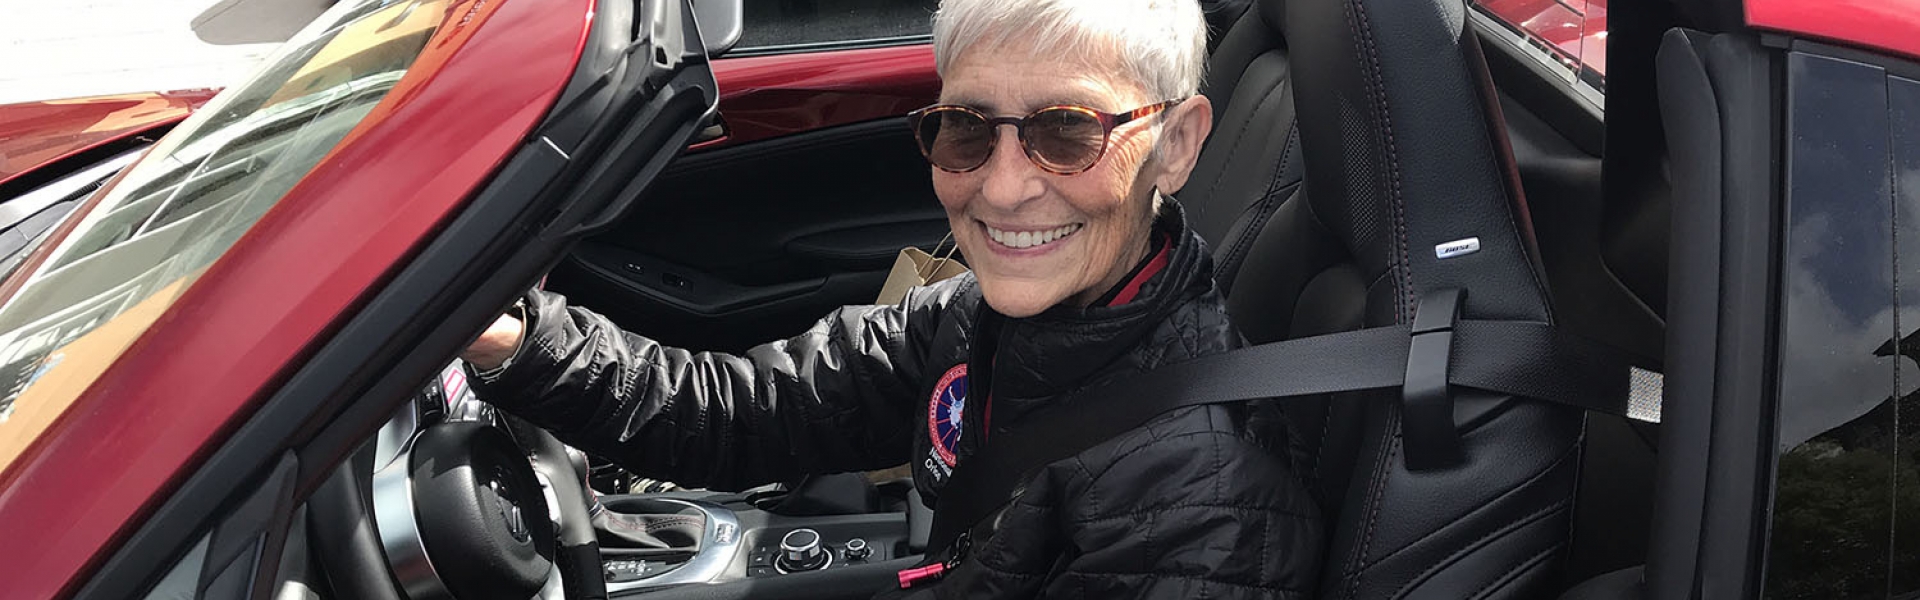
[{"x": 70, "y": 48}]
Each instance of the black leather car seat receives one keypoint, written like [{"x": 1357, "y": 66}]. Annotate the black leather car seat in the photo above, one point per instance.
[
  {"x": 1251, "y": 169},
  {"x": 1330, "y": 218}
]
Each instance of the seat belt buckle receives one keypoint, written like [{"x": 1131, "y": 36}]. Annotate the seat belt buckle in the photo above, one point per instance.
[{"x": 1427, "y": 429}]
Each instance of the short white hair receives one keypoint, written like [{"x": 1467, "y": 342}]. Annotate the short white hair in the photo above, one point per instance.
[{"x": 1160, "y": 44}]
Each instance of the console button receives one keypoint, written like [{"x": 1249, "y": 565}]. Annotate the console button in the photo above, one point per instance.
[
  {"x": 761, "y": 557},
  {"x": 624, "y": 570},
  {"x": 857, "y": 549},
  {"x": 761, "y": 571}
]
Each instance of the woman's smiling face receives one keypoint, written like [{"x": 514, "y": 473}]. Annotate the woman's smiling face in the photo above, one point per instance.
[{"x": 1035, "y": 239}]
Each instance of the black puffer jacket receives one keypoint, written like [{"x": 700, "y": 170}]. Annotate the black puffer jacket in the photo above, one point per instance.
[{"x": 1184, "y": 507}]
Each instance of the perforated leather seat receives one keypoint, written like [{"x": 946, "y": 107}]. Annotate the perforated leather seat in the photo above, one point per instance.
[{"x": 1353, "y": 138}]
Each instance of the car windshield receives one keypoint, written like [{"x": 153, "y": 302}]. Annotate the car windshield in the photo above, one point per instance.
[{"x": 184, "y": 205}]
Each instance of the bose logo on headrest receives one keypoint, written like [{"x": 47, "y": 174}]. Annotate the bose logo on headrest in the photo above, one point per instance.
[{"x": 1457, "y": 248}]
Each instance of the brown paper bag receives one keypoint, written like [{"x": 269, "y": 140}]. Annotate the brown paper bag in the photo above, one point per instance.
[{"x": 916, "y": 268}]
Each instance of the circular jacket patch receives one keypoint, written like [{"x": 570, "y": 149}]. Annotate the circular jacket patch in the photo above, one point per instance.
[{"x": 943, "y": 412}]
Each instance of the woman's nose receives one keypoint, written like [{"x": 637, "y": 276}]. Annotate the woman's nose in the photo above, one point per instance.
[{"x": 1011, "y": 179}]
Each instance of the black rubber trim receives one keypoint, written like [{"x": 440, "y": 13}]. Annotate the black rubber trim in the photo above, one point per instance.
[
  {"x": 1715, "y": 16},
  {"x": 252, "y": 536},
  {"x": 1693, "y": 298},
  {"x": 1894, "y": 66},
  {"x": 402, "y": 334},
  {"x": 1721, "y": 96},
  {"x": 1747, "y": 82}
]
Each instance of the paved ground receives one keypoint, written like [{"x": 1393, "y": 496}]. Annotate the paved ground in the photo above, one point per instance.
[{"x": 69, "y": 48}]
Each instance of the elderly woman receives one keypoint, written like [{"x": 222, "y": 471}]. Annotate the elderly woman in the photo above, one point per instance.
[{"x": 1060, "y": 124}]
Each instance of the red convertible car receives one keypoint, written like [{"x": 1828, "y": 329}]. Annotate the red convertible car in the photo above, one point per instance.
[{"x": 226, "y": 339}]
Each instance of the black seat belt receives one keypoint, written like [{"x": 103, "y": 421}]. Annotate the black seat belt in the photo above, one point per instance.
[{"x": 1437, "y": 352}]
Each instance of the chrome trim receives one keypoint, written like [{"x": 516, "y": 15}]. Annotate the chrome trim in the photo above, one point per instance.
[
  {"x": 830, "y": 45},
  {"x": 1461, "y": 247},
  {"x": 786, "y": 550},
  {"x": 555, "y": 147},
  {"x": 552, "y": 590},
  {"x": 708, "y": 565},
  {"x": 394, "y": 519},
  {"x": 823, "y": 566}
]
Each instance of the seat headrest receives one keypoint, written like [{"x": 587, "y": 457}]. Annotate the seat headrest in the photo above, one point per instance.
[
  {"x": 1406, "y": 154},
  {"x": 1274, "y": 12}
]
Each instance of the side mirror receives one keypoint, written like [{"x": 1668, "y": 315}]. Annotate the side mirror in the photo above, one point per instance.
[
  {"x": 255, "y": 21},
  {"x": 720, "y": 24}
]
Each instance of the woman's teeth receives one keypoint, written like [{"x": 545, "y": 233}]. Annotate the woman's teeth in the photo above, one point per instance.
[{"x": 1029, "y": 239}]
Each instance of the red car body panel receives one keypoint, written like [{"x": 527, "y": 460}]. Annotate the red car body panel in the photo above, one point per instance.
[
  {"x": 198, "y": 371},
  {"x": 1886, "y": 25},
  {"x": 34, "y": 134},
  {"x": 764, "y": 97}
]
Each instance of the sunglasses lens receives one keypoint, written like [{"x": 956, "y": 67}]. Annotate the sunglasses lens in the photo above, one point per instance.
[
  {"x": 1064, "y": 139},
  {"x": 955, "y": 140}
]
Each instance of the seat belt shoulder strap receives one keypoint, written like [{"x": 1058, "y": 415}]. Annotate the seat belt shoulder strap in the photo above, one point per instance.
[{"x": 1427, "y": 359}]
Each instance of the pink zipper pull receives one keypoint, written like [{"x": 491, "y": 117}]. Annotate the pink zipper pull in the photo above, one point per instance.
[{"x": 910, "y": 577}]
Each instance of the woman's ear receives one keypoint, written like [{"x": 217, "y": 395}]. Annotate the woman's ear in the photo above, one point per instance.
[{"x": 1181, "y": 138}]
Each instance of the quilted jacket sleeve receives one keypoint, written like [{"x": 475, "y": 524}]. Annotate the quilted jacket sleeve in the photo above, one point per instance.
[{"x": 832, "y": 399}]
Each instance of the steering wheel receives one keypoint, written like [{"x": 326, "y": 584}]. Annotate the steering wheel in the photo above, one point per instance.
[{"x": 458, "y": 501}]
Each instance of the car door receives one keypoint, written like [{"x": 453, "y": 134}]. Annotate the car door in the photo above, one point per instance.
[
  {"x": 1788, "y": 466},
  {"x": 801, "y": 197},
  {"x": 191, "y": 353}
]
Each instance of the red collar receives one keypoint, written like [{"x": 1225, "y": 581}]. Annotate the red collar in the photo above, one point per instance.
[{"x": 1146, "y": 273}]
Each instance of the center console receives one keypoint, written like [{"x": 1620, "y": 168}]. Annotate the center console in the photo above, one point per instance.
[{"x": 763, "y": 534}]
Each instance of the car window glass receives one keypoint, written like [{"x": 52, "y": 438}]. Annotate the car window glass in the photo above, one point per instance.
[
  {"x": 189, "y": 200},
  {"x": 1846, "y": 505},
  {"x": 793, "y": 25},
  {"x": 1567, "y": 36}
]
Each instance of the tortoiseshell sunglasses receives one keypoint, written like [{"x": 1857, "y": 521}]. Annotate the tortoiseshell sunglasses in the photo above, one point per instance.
[{"x": 1062, "y": 140}]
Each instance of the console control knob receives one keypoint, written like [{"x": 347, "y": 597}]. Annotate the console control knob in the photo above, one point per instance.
[
  {"x": 800, "y": 550},
  {"x": 857, "y": 549}
]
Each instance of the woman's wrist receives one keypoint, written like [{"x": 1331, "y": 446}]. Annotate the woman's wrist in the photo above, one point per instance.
[{"x": 495, "y": 345}]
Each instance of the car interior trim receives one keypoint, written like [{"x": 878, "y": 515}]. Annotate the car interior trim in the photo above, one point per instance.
[
  {"x": 1545, "y": 65},
  {"x": 399, "y": 530},
  {"x": 882, "y": 42},
  {"x": 709, "y": 564},
  {"x": 1718, "y": 94}
]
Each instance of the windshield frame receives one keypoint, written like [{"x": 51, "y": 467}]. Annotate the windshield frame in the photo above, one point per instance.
[{"x": 288, "y": 283}]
